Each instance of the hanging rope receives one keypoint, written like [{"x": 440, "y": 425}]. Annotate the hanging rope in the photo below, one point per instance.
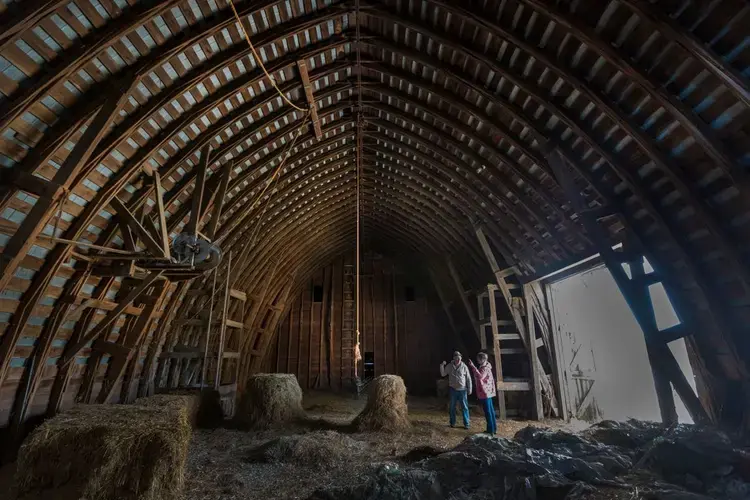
[
  {"x": 260, "y": 61},
  {"x": 357, "y": 352}
]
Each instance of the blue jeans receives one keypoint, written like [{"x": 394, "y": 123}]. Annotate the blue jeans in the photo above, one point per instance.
[
  {"x": 459, "y": 396},
  {"x": 489, "y": 415}
]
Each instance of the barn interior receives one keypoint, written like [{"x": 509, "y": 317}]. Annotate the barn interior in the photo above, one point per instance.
[{"x": 239, "y": 237}]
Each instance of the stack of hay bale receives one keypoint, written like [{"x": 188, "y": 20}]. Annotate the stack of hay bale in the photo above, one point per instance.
[{"x": 107, "y": 452}]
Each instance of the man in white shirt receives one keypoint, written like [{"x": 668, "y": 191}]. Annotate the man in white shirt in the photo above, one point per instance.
[{"x": 459, "y": 381}]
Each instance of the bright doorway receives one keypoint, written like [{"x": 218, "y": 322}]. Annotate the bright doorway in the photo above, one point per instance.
[{"x": 604, "y": 351}]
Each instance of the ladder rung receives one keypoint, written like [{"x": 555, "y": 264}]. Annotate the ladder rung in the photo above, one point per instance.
[
  {"x": 507, "y": 336},
  {"x": 237, "y": 294},
  {"x": 504, "y": 273},
  {"x": 500, "y": 322},
  {"x": 513, "y": 350},
  {"x": 514, "y": 386}
]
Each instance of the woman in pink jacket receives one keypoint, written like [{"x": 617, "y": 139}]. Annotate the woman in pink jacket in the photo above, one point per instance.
[{"x": 486, "y": 390}]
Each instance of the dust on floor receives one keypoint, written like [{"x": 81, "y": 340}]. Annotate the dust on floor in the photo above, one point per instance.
[{"x": 223, "y": 464}]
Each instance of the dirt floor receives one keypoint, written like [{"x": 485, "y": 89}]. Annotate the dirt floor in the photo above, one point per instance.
[{"x": 223, "y": 464}]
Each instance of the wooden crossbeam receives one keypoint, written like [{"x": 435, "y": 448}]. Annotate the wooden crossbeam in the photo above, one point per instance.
[
  {"x": 106, "y": 305},
  {"x": 303, "y": 73},
  {"x": 128, "y": 218}
]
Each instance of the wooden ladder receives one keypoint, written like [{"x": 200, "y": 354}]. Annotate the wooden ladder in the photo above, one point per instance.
[
  {"x": 210, "y": 355},
  {"x": 347, "y": 327},
  {"x": 521, "y": 326}
]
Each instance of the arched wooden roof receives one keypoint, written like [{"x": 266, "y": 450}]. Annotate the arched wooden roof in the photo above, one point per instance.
[{"x": 460, "y": 103}]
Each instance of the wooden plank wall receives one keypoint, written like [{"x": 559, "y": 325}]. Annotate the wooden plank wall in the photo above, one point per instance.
[{"x": 308, "y": 341}]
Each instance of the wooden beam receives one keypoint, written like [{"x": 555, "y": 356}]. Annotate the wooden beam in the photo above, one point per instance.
[
  {"x": 497, "y": 355},
  {"x": 462, "y": 295},
  {"x": 23, "y": 239},
  {"x": 196, "y": 210},
  {"x": 161, "y": 215},
  {"x": 223, "y": 327},
  {"x": 302, "y": 67},
  {"x": 133, "y": 223},
  {"x": 70, "y": 352},
  {"x": 226, "y": 174},
  {"x": 533, "y": 354}
]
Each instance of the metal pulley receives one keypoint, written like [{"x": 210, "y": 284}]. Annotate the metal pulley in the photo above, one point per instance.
[{"x": 191, "y": 250}]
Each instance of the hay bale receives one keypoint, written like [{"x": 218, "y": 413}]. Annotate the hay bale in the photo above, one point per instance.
[
  {"x": 270, "y": 399},
  {"x": 386, "y": 406},
  {"x": 185, "y": 403},
  {"x": 107, "y": 452},
  {"x": 320, "y": 448}
]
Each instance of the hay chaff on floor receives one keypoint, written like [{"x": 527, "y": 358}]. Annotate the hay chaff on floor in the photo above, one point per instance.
[
  {"x": 108, "y": 452},
  {"x": 316, "y": 449},
  {"x": 269, "y": 400},
  {"x": 386, "y": 409}
]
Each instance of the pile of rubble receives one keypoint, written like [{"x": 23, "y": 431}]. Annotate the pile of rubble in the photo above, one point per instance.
[{"x": 612, "y": 460}]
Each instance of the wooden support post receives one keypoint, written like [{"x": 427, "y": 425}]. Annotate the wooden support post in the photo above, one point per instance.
[
  {"x": 481, "y": 323},
  {"x": 533, "y": 354},
  {"x": 223, "y": 326},
  {"x": 663, "y": 364},
  {"x": 395, "y": 322},
  {"x": 543, "y": 315},
  {"x": 497, "y": 354},
  {"x": 161, "y": 215},
  {"x": 196, "y": 210},
  {"x": 661, "y": 383},
  {"x": 226, "y": 175},
  {"x": 302, "y": 67}
]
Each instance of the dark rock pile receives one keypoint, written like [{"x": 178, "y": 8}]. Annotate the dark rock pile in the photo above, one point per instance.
[{"x": 611, "y": 460}]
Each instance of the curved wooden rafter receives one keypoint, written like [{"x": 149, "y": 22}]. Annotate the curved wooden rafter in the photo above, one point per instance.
[{"x": 458, "y": 122}]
